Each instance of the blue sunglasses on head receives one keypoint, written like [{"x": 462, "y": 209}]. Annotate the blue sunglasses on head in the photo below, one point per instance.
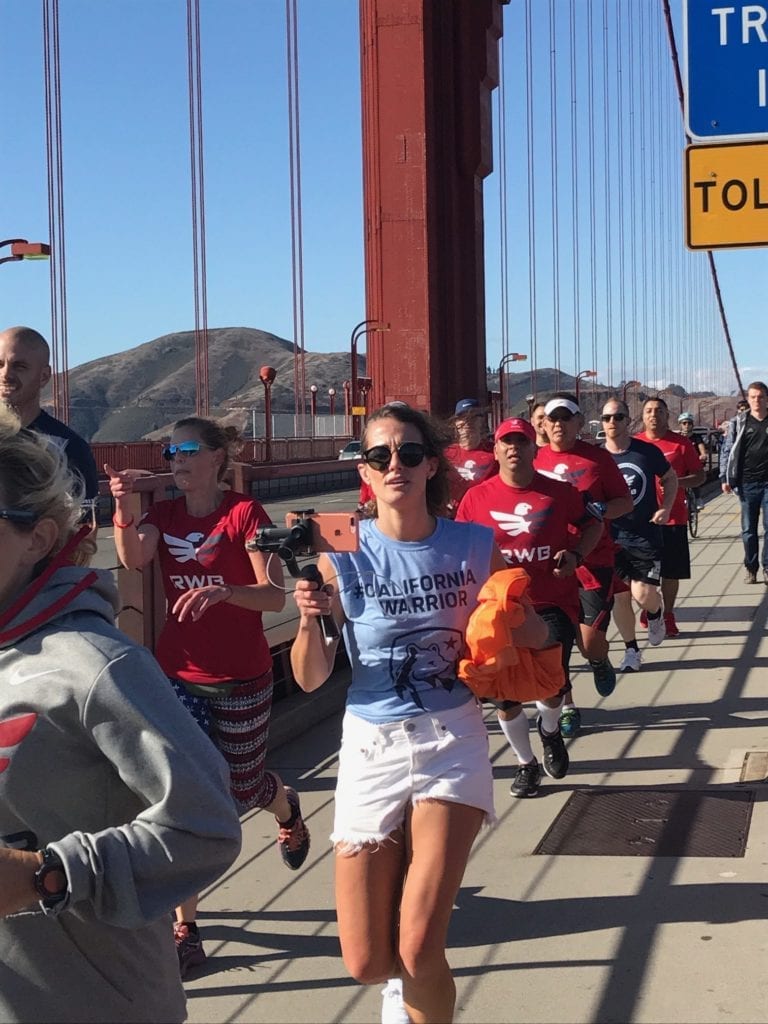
[
  {"x": 184, "y": 448},
  {"x": 22, "y": 517}
]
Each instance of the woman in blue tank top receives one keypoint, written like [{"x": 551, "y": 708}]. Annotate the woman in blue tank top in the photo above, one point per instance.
[{"x": 414, "y": 784}]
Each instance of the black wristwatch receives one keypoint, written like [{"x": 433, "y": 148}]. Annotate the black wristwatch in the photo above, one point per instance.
[{"x": 50, "y": 880}]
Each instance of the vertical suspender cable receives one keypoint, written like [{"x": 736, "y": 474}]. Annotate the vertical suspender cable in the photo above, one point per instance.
[
  {"x": 645, "y": 86},
  {"x": 654, "y": 183},
  {"x": 710, "y": 257},
  {"x": 531, "y": 192},
  {"x": 607, "y": 205},
  {"x": 620, "y": 136},
  {"x": 553, "y": 132},
  {"x": 575, "y": 193},
  {"x": 55, "y": 168},
  {"x": 591, "y": 131},
  {"x": 632, "y": 97},
  {"x": 299, "y": 373},
  {"x": 196, "y": 161}
]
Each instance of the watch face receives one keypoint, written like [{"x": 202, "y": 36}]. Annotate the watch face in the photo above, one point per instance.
[{"x": 51, "y": 880}]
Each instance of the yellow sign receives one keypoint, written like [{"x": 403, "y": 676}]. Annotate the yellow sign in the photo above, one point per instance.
[
  {"x": 358, "y": 410},
  {"x": 726, "y": 195}
]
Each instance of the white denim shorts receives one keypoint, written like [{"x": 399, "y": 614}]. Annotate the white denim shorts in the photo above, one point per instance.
[{"x": 384, "y": 768}]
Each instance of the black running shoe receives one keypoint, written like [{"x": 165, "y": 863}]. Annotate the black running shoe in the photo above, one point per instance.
[
  {"x": 555, "y": 760},
  {"x": 604, "y": 676},
  {"x": 526, "y": 781},
  {"x": 293, "y": 840}
]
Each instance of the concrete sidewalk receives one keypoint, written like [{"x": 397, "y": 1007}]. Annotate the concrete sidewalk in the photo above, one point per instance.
[{"x": 537, "y": 938}]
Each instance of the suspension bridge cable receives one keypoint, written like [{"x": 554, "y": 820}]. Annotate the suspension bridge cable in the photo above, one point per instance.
[
  {"x": 297, "y": 244},
  {"x": 607, "y": 197},
  {"x": 197, "y": 181},
  {"x": 591, "y": 140},
  {"x": 503, "y": 233},
  {"x": 531, "y": 189},
  {"x": 553, "y": 141},
  {"x": 620, "y": 137},
  {"x": 575, "y": 192}
]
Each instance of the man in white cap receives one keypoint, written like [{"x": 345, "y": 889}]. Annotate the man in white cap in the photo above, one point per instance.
[
  {"x": 545, "y": 527},
  {"x": 593, "y": 472}
]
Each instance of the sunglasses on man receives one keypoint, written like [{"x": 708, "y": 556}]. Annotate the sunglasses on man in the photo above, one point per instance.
[
  {"x": 184, "y": 448},
  {"x": 618, "y": 416},
  {"x": 410, "y": 453},
  {"x": 560, "y": 416}
]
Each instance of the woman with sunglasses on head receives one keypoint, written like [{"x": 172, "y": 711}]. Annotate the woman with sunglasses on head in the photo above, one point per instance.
[
  {"x": 212, "y": 646},
  {"x": 94, "y": 820},
  {"x": 414, "y": 782}
]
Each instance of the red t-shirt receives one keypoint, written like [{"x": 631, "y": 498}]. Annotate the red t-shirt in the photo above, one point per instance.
[
  {"x": 592, "y": 471},
  {"x": 472, "y": 464},
  {"x": 530, "y": 524},
  {"x": 227, "y": 642},
  {"x": 684, "y": 459}
]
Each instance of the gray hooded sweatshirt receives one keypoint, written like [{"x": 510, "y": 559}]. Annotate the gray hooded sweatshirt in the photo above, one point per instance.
[{"x": 100, "y": 762}]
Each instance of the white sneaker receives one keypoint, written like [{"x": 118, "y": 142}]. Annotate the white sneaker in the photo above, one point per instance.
[
  {"x": 393, "y": 1009},
  {"x": 632, "y": 659},
  {"x": 657, "y": 630}
]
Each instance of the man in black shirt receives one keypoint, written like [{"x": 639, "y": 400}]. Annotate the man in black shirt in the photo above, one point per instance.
[
  {"x": 24, "y": 372},
  {"x": 746, "y": 473}
]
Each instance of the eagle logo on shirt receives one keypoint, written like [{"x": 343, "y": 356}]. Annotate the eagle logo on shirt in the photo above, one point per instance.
[
  {"x": 12, "y": 733},
  {"x": 560, "y": 471},
  {"x": 184, "y": 549},
  {"x": 520, "y": 520}
]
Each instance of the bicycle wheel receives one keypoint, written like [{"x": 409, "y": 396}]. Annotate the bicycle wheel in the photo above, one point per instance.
[{"x": 693, "y": 514}]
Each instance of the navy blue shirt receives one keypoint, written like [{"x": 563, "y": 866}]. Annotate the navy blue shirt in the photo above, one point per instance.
[
  {"x": 640, "y": 464},
  {"x": 78, "y": 452}
]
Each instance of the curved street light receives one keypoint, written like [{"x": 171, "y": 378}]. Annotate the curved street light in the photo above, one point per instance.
[
  {"x": 581, "y": 376},
  {"x": 364, "y": 327},
  {"x": 21, "y": 249},
  {"x": 510, "y": 357},
  {"x": 627, "y": 385}
]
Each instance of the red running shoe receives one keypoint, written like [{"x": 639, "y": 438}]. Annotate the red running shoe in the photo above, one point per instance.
[
  {"x": 644, "y": 620},
  {"x": 669, "y": 622}
]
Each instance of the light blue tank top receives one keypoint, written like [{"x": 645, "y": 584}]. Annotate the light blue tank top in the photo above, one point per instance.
[{"x": 407, "y": 605}]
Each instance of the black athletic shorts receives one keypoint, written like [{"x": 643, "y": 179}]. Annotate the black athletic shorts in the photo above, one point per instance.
[
  {"x": 675, "y": 555},
  {"x": 597, "y": 600},
  {"x": 637, "y": 558}
]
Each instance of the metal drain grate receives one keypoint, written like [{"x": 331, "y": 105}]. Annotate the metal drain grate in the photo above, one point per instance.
[{"x": 651, "y": 823}]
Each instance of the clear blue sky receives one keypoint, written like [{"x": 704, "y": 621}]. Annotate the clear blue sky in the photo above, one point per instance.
[{"x": 127, "y": 190}]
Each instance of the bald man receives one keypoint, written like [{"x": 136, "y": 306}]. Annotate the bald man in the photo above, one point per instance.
[{"x": 24, "y": 371}]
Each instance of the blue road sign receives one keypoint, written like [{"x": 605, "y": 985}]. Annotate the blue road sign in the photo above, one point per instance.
[{"x": 726, "y": 82}]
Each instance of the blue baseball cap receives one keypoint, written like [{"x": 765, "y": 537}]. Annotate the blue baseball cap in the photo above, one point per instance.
[{"x": 465, "y": 405}]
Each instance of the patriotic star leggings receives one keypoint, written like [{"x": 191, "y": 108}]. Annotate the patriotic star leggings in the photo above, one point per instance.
[{"x": 236, "y": 718}]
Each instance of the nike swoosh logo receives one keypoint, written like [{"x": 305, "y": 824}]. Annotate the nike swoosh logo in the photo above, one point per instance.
[{"x": 18, "y": 678}]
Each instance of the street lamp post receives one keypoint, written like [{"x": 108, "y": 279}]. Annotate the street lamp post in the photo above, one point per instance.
[
  {"x": 267, "y": 376},
  {"x": 364, "y": 327},
  {"x": 627, "y": 385},
  {"x": 347, "y": 386},
  {"x": 21, "y": 249},
  {"x": 365, "y": 384},
  {"x": 313, "y": 406},
  {"x": 581, "y": 376},
  {"x": 510, "y": 357}
]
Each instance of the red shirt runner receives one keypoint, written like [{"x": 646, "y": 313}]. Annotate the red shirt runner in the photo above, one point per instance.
[
  {"x": 684, "y": 459},
  {"x": 592, "y": 471},
  {"x": 530, "y": 524},
  {"x": 227, "y": 642}
]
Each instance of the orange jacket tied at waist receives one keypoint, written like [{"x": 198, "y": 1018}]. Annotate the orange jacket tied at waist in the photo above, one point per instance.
[{"x": 496, "y": 668}]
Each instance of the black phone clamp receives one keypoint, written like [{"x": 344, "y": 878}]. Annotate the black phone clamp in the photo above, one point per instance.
[{"x": 287, "y": 541}]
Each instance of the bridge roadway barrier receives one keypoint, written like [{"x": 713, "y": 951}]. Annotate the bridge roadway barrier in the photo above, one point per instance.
[{"x": 552, "y": 938}]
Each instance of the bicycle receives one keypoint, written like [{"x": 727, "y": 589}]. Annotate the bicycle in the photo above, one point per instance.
[{"x": 693, "y": 511}]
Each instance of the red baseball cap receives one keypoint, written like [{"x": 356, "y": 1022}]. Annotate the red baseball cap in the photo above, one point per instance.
[{"x": 515, "y": 425}]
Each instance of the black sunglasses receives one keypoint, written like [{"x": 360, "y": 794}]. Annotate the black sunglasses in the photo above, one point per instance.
[
  {"x": 410, "y": 453},
  {"x": 618, "y": 416},
  {"x": 24, "y": 517},
  {"x": 558, "y": 417}
]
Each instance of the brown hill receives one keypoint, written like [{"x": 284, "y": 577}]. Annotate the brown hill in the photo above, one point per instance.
[{"x": 125, "y": 396}]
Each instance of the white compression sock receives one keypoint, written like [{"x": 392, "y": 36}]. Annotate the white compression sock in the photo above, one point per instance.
[
  {"x": 550, "y": 717},
  {"x": 518, "y": 736}
]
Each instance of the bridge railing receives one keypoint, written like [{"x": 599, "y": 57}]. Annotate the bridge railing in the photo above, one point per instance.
[{"x": 149, "y": 454}]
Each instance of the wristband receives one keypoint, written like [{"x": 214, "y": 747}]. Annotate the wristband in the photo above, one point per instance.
[{"x": 123, "y": 526}]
